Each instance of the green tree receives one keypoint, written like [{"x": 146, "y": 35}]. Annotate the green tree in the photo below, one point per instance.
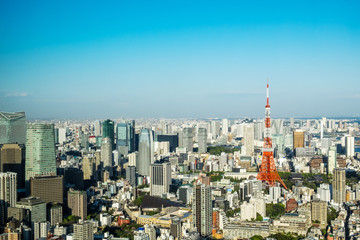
[
  {"x": 332, "y": 215},
  {"x": 256, "y": 237},
  {"x": 275, "y": 210},
  {"x": 259, "y": 218},
  {"x": 282, "y": 236},
  {"x": 139, "y": 200}
]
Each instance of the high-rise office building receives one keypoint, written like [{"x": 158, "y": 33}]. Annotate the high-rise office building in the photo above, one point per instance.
[
  {"x": 88, "y": 167},
  {"x": 299, "y": 139},
  {"x": 275, "y": 193},
  {"x": 48, "y": 188},
  {"x": 108, "y": 131},
  {"x": 125, "y": 137},
  {"x": 62, "y": 135},
  {"x": 332, "y": 163},
  {"x": 324, "y": 192},
  {"x": 339, "y": 180},
  {"x": 131, "y": 175},
  {"x": 83, "y": 231},
  {"x": 160, "y": 178},
  {"x": 292, "y": 122},
  {"x": 97, "y": 128},
  {"x": 248, "y": 139},
  {"x": 175, "y": 228},
  {"x": 36, "y": 206},
  {"x": 172, "y": 139},
  {"x": 202, "y": 140},
  {"x": 188, "y": 139},
  {"x": 106, "y": 154},
  {"x": 215, "y": 129},
  {"x": 41, "y": 230},
  {"x": 77, "y": 202},
  {"x": 350, "y": 146},
  {"x": 55, "y": 214},
  {"x": 40, "y": 150},
  {"x": 319, "y": 212},
  {"x": 8, "y": 194},
  {"x": 202, "y": 209},
  {"x": 12, "y": 159},
  {"x": 185, "y": 193},
  {"x": 12, "y": 127},
  {"x": 224, "y": 126},
  {"x": 146, "y": 152}
]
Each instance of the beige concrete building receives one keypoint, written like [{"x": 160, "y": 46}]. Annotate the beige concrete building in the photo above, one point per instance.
[
  {"x": 339, "y": 180},
  {"x": 83, "y": 231},
  {"x": 77, "y": 202},
  {"x": 319, "y": 212},
  {"x": 299, "y": 139}
]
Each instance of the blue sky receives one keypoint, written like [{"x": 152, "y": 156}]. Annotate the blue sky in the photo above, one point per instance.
[{"x": 110, "y": 59}]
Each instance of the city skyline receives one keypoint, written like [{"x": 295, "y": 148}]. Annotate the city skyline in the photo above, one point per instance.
[{"x": 172, "y": 60}]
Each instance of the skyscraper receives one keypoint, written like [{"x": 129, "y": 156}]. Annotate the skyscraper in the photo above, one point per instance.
[
  {"x": 332, "y": 164},
  {"x": 77, "y": 202},
  {"x": 8, "y": 194},
  {"x": 224, "y": 126},
  {"x": 146, "y": 152},
  {"x": 131, "y": 175},
  {"x": 12, "y": 159},
  {"x": 339, "y": 180},
  {"x": 160, "y": 178},
  {"x": 40, "y": 150},
  {"x": 248, "y": 139},
  {"x": 202, "y": 209},
  {"x": 350, "y": 146},
  {"x": 187, "y": 139},
  {"x": 12, "y": 128},
  {"x": 62, "y": 135},
  {"x": 299, "y": 139},
  {"x": 125, "y": 135},
  {"x": 108, "y": 131},
  {"x": 106, "y": 154},
  {"x": 88, "y": 167},
  {"x": 215, "y": 129},
  {"x": 97, "y": 128},
  {"x": 202, "y": 140}
]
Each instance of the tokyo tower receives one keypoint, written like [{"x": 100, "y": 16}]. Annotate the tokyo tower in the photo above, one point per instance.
[{"x": 268, "y": 172}]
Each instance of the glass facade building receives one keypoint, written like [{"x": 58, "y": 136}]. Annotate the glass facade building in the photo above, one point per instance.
[
  {"x": 108, "y": 130},
  {"x": 146, "y": 152},
  {"x": 40, "y": 150},
  {"x": 12, "y": 127},
  {"x": 125, "y": 135}
]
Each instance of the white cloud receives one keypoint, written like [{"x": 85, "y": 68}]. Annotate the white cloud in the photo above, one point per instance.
[{"x": 16, "y": 94}]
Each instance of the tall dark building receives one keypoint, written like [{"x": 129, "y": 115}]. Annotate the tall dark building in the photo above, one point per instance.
[
  {"x": 131, "y": 175},
  {"x": 176, "y": 228},
  {"x": 172, "y": 139},
  {"x": 108, "y": 131},
  {"x": 202, "y": 209},
  {"x": 74, "y": 177},
  {"x": 12, "y": 159}
]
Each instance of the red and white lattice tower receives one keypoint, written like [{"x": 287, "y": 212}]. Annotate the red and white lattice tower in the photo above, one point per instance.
[{"x": 268, "y": 172}]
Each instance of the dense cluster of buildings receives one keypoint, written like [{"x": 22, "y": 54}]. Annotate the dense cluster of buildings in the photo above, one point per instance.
[{"x": 177, "y": 179}]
